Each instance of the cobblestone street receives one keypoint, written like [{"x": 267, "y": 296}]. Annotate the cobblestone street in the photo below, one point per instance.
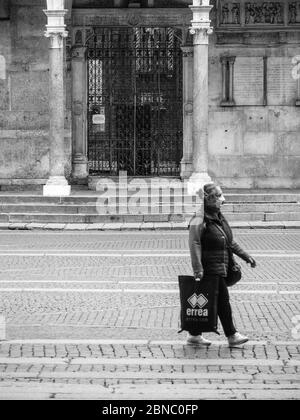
[{"x": 96, "y": 315}]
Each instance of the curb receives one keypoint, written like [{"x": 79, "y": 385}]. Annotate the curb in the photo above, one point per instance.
[{"x": 138, "y": 227}]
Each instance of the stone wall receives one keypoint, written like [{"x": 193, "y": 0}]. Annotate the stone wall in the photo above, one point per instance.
[
  {"x": 24, "y": 88},
  {"x": 255, "y": 143},
  {"x": 251, "y": 144}
]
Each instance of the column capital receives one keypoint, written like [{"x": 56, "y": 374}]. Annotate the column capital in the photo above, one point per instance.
[
  {"x": 201, "y": 22},
  {"x": 201, "y": 35},
  {"x": 78, "y": 53},
  {"x": 56, "y": 38},
  {"x": 227, "y": 59},
  {"x": 187, "y": 51},
  {"x": 56, "y": 28}
]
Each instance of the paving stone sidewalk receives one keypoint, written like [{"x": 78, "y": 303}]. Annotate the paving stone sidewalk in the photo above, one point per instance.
[
  {"x": 94, "y": 315},
  {"x": 148, "y": 370}
]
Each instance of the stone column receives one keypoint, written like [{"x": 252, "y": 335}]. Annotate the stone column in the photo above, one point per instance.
[
  {"x": 231, "y": 79},
  {"x": 57, "y": 185},
  {"x": 187, "y": 160},
  {"x": 79, "y": 105},
  {"x": 224, "y": 81},
  {"x": 200, "y": 30},
  {"x": 228, "y": 81}
]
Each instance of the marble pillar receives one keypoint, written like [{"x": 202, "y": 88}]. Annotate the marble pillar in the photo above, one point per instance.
[
  {"x": 57, "y": 185},
  {"x": 79, "y": 123},
  {"x": 187, "y": 159},
  {"x": 200, "y": 30}
]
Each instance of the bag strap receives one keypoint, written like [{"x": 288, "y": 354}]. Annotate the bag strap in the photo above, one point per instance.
[
  {"x": 220, "y": 229},
  {"x": 224, "y": 233},
  {"x": 227, "y": 241}
]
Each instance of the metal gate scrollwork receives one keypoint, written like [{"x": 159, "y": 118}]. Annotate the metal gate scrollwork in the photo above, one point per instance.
[{"x": 135, "y": 101}]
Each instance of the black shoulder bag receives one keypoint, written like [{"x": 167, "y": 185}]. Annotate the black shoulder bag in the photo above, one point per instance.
[{"x": 234, "y": 274}]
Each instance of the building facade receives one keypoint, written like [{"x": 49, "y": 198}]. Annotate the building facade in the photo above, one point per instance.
[{"x": 147, "y": 91}]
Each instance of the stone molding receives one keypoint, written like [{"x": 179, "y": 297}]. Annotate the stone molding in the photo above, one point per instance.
[
  {"x": 127, "y": 17},
  {"x": 257, "y": 38},
  {"x": 56, "y": 21}
]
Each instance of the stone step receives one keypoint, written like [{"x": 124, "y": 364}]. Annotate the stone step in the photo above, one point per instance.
[
  {"x": 133, "y": 207},
  {"x": 125, "y": 218},
  {"x": 84, "y": 218},
  {"x": 90, "y": 198},
  {"x": 230, "y": 197},
  {"x": 282, "y": 216}
]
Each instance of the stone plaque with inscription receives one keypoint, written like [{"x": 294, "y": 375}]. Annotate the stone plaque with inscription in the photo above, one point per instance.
[
  {"x": 282, "y": 87},
  {"x": 248, "y": 81}
]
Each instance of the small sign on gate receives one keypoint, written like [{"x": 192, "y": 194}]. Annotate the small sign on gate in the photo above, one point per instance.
[{"x": 99, "y": 119}]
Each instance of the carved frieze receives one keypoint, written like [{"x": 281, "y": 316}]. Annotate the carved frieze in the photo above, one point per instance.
[
  {"x": 264, "y": 14},
  {"x": 131, "y": 17}
]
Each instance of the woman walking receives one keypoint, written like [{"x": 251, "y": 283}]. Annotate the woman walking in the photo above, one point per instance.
[{"x": 209, "y": 255}]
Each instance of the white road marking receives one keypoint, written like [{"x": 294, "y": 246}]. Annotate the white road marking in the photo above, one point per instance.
[
  {"x": 111, "y": 341},
  {"x": 33, "y": 361},
  {"x": 127, "y": 255},
  {"x": 289, "y": 292},
  {"x": 9, "y": 389},
  {"x": 129, "y": 375},
  {"x": 130, "y": 342},
  {"x": 141, "y": 291},
  {"x": 146, "y": 361},
  {"x": 45, "y": 281},
  {"x": 238, "y": 232}
]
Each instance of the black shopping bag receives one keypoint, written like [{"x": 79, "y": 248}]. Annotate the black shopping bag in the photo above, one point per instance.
[{"x": 199, "y": 304}]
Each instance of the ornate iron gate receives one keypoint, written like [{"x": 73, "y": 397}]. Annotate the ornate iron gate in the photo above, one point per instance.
[{"x": 135, "y": 101}]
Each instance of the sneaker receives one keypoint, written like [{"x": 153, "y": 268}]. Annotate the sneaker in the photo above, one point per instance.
[
  {"x": 197, "y": 340},
  {"x": 237, "y": 339}
]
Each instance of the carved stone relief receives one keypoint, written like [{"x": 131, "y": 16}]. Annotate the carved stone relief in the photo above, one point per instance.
[
  {"x": 266, "y": 12},
  {"x": 231, "y": 14},
  {"x": 294, "y": 12},
  {"x": 247, "y": 13}
]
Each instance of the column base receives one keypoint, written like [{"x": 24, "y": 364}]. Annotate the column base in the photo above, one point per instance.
[
  {"x": 57, "y": 186},
  {"x": 80, "y": 169},
  {"x": 197, "y": 181},
  {"x": 186, "y": 169}
]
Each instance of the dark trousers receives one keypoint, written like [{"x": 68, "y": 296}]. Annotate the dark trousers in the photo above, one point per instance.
[{"x": 224, "y": 309}]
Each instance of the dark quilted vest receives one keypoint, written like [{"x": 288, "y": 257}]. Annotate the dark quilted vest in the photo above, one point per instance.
[{"x": 214, "y": 247}]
